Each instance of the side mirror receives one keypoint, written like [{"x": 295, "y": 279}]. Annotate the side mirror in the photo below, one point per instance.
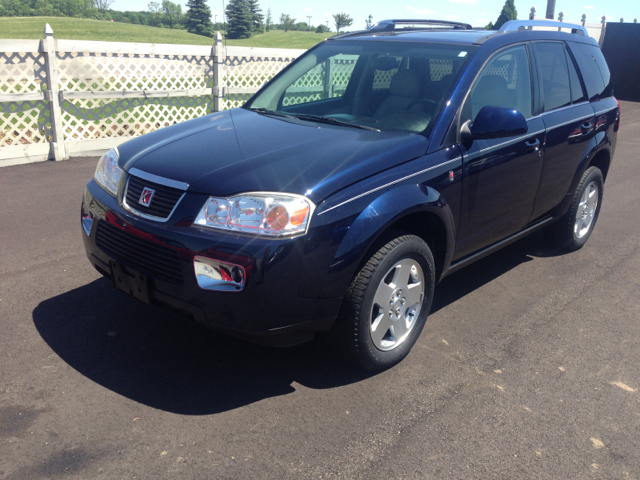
[{"x": 494, "y": 122}]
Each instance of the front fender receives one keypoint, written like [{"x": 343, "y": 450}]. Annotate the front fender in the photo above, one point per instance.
[{"x": 374, "y": 220}]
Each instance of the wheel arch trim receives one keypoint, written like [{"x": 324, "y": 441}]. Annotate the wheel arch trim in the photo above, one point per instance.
[
  {"x": 376, "y": 219},
  {"x": 598, "y": 146}
]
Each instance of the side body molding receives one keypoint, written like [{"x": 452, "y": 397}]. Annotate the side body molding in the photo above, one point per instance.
[{"x": 374, "y": 220}]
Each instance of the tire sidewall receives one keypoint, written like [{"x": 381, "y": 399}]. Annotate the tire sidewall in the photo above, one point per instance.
[
  {"x": 591, "y": 175},
  {"x": 414, "y": 249}
]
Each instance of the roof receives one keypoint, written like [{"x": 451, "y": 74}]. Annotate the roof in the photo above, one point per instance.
[
  {"x": 462, "y": 34},
  {"x": 450, "y": 36}
]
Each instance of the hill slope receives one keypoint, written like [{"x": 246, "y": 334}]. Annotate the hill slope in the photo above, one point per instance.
[{"x": 84, "y": 29}]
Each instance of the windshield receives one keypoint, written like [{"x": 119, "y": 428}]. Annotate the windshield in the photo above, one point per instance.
[{"x": 377, "y": 85}]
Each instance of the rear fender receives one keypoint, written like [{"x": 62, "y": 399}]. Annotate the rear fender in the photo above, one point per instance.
[{"x": 598, "y": 143}]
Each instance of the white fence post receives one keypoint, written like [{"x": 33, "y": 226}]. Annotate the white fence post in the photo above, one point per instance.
[
  {"x": 603, "y": 20},
  {"x": 48, "y": 47},
  {"x": 219, "y": 55}
]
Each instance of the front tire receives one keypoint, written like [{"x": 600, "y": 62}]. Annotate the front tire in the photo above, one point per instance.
[
  {"x": 386, "y": 305},
  {"x": 573, "y": 230}
]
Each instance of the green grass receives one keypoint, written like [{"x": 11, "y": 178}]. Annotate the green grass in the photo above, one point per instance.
[
  {"x": 84, "y": 29},
  {"x": 281, "y": 39}
]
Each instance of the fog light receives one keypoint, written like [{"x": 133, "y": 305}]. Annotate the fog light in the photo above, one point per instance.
[{"x": 218, "y": 276}]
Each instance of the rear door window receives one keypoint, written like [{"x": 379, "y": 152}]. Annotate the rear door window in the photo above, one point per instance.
[
  {"x": 385, "y": 67},
  {"x": 554, "y": 72},
  {"x": 577, "y": 94}
]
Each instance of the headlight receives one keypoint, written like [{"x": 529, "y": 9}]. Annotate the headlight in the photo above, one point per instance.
[
  {"x": 108, "y": 172},
  {"x": 276, "y": 214}
]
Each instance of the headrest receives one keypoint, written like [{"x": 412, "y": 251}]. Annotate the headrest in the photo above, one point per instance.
[{"x": 405, "y": 84}]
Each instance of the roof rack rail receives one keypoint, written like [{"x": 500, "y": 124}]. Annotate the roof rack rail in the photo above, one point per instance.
[
  {"x": 390, "y": 25},
  {"x": 519, "y": 25}
]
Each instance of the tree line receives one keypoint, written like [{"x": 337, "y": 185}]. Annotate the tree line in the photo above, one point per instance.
[
  {"x": 244, "y": 18},
  {"x": 164, "y": 13}
]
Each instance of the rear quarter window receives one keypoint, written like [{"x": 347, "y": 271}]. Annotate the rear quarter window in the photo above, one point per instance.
[{"x": 594, "y": 70}]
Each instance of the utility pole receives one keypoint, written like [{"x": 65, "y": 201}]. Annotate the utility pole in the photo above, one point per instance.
[
  {"x": 551, "y": 9},
  {"x": 309, "y": 17},
  {"x": 215, "y": 19},
  {"x": 327, "y": 24}
]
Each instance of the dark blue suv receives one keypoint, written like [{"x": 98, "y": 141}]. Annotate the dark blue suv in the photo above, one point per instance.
[{"x": 368, "y": 169}]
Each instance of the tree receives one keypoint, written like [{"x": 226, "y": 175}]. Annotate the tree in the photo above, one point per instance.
[
  {"x": 199, "y": 18},
  {"x": 155, "y": 9},
  {"x": 286, "y": 22},
  {"x": 172, "y": 13},
  {"x": 268, "y": 22},
  {"x": 489, "y": 26},
  {"x": 256, "y": 13},
  {"x": 508, "y": 12},
  {"x": 239, "y": 19},
  {"x": 368, "y": 22},
  {"x": 344, "y": 20},
  {"x": 322, "y": 29},
  {"x": 103, "y": 5}
]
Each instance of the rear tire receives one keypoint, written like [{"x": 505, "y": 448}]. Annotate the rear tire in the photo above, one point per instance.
[
  {"x": 573, "y": 230},
  {"x": 386, "y": 306}
]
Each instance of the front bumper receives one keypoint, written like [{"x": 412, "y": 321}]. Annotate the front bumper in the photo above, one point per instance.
[{"x": 268, "y": 309}]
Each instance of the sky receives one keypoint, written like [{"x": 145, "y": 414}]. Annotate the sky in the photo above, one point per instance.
[{"x": 475, "y": 12}]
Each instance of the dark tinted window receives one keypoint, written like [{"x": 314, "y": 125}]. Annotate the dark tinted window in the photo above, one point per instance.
[
  {"x": 594, "y": 70},
  {"x": 604, "y": 69},
  {"x": 577, "y": 94},
  {"x": 504, "y": 82},
  {"x": 555, "y": 75}
]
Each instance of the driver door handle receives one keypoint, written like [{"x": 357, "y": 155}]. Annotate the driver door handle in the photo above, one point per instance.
[{"x": 533, "y": 145}]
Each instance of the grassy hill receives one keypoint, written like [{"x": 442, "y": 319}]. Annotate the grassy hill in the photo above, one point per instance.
[{"x": 84, "y": 29}]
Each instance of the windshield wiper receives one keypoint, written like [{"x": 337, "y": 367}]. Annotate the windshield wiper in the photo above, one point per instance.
[
  {"x": 313, "y": 118},
  {"x": 331, "y": 121},
  {"x": 275, "y": 113}
]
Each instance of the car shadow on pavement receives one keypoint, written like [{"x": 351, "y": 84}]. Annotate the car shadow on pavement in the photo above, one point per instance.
[
  {"x": 161, "y": 360},
  {"x": 472, "y": 277}
]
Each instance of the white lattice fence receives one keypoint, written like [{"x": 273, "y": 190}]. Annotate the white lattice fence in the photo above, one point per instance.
[
  {"x": 60, "y": 98},
  {"x": 131, "y": 91},
  {"x": 24, "y": 113},
  {"x": 245, "y": 70}
]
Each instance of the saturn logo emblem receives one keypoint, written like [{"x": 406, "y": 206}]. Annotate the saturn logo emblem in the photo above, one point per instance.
[{"x": 146, "y": 196}]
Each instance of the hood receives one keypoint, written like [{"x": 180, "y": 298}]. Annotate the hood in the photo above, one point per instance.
[{"x": 237, "y": 151}]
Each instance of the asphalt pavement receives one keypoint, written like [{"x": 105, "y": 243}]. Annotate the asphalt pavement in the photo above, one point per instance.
[{"x": 528, "y": 368}]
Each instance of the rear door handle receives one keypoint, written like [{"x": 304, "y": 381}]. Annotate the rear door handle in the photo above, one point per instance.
[{"x": 587, "y": 126}]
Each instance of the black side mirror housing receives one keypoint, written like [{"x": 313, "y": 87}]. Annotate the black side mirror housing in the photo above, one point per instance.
[{"x": 494, "y": 122}]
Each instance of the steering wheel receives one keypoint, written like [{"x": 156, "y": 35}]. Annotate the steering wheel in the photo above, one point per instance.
[{"x": 424, "y": 101}]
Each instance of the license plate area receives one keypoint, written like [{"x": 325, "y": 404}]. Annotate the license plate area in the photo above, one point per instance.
[{"x": 130, "y": 281}]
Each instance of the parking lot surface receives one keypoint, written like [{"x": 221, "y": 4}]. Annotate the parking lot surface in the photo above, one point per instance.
[{"x": 529, "y": 366}]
